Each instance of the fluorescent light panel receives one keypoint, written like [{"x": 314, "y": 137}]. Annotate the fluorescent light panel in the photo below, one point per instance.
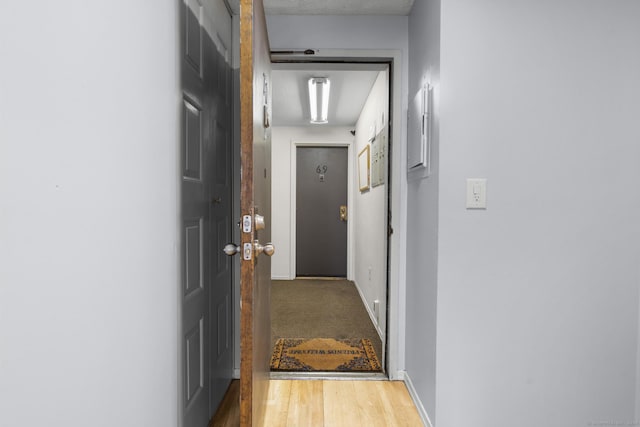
[{"x": 319, "y": 99}]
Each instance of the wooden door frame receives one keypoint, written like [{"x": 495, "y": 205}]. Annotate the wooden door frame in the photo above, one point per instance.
[{"x": 293, "y": 187}]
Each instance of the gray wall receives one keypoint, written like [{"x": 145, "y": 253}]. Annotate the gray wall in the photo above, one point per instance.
[
  {"x": 89, "y": 101},
  {"x": 422, "y": 212},
  {"x": 337, "y": 32},
  {"x": 537, "y": 297}
]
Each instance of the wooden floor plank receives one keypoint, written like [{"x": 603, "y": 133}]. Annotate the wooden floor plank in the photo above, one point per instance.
[
  {"x": 228, "y": 413},
  {"x": 320, "y": 403},
  {"x": 340, "y": 405},
  {"x": 371, "y": 408},
  {"x": 306, "y": 404},
  {"x": 400, "y": 409},
  {"x": 277, "y": 407}
]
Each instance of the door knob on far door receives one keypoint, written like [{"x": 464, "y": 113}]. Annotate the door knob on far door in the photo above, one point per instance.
[{"x": 267, "y": 249}]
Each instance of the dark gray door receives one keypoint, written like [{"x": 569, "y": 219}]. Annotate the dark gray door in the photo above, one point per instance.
[
  {"x": 207, "y": 362},
  {"x": 321, "y": 230},
  {"x": 219, "y": 83}
]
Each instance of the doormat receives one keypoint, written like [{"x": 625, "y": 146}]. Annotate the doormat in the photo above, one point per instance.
[{"x": 325, "y": 355}]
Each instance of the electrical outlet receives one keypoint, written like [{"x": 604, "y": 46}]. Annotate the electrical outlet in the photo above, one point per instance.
[
  {"x": 376, "y": 310},
  {"x": 476, "y": 193}
]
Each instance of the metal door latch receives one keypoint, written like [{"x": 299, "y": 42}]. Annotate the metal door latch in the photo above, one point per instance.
[
  {"x": 247, "y": 252},
  {"x": 246, "y": 224}
]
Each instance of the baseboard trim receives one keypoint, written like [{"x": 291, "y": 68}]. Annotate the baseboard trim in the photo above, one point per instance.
[
  {"x": 280, "y": 278},
  {"x": 372, "y": 315},
  {"x": 236, "y": 374},
  {"x": 416, "y": 400}
]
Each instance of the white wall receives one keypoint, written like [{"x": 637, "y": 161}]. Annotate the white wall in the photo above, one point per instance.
[
  {"x": 537, "y": 297},
  {"x": 89, "y": 98},
  {"x": 422, "y": 213},
  {"x": 281, "y": 140},
  {"x": 370, "y": 210}
]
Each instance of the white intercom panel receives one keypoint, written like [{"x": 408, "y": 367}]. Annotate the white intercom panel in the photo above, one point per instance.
[{"x": 418, "y": 149}]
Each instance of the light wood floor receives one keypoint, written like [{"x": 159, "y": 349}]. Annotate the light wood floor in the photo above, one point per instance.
[{"x": 318, "y": 403}]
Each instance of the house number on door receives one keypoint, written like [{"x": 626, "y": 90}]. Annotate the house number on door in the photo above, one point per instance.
[{"x": 321, "y": 170}]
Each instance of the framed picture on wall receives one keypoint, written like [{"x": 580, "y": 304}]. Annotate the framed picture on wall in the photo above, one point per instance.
[{"x": 363, "y": 169}]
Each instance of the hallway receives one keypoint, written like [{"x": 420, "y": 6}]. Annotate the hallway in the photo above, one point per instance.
[
  {"x": 328, "y": 403},
  {"x": 307, "y": 308},
  {"x": 526, "y": 313}
]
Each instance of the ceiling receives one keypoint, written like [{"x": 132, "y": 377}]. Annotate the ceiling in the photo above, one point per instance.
[{"x": 350, "y": 86}]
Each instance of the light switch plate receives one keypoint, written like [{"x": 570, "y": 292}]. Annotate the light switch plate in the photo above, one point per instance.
[{"x": 476, "y": 193}]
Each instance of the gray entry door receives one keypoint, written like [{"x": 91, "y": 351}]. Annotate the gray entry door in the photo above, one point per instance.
[
  {"x": 207, "y": 359},
  {"x": 219, "y": 159},
  {"x": 321, "y": 191}
]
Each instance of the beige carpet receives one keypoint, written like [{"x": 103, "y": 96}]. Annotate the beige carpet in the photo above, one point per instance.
[{"x": 308, "y": 308}]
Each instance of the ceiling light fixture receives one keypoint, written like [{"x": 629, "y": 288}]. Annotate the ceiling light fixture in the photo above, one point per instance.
[{"x": 319, "y": 99}]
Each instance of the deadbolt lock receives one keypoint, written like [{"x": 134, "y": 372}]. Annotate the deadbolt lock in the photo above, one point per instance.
[{"x": 260, "y": 224}]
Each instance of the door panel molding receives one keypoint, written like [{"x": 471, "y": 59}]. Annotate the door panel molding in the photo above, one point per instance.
[
  {"x": 193, "y": 257},
  {"x": 192, "y": 140},
  {"x": 194, "y": 344},
  {"x": 193, "y": 36}
]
